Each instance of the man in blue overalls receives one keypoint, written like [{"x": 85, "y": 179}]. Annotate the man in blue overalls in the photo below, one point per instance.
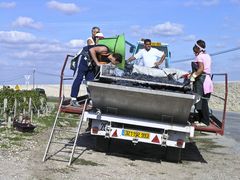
[{"x": 88, "y": 61}]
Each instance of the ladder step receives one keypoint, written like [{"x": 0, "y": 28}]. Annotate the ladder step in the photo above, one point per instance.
[
  {"x": 75, "y": 119},
  {"x": 70, "y": 151},
  {"x": 70, "y": 131},
  {"x": 65, "y": 143},
  {"x": 69, "y": 144}
]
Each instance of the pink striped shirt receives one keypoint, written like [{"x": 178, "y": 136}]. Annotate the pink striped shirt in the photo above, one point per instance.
[{"x": 207, "y": 61}]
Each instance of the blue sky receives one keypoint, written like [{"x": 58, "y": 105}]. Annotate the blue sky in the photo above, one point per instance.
[{"x": 38, "y": 34}]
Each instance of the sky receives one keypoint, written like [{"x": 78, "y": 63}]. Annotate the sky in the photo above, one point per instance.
[{"x": 36, "y": 36}]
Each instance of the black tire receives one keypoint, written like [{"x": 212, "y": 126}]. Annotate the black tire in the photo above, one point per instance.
[
  {"x": 173, "y": 154},
  {"x": 102, "y": 144}
]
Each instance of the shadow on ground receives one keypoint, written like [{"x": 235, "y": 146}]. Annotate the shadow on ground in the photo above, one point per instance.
[{"x": 140, "y": 151}]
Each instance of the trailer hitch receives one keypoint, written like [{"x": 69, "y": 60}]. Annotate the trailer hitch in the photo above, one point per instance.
[
  {"x": 108, "y": 129},
  {"x": 135, "y": 141},
  {"x": 164, "y": 139}
]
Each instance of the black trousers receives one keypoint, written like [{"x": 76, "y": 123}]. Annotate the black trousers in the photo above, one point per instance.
[{"x": 202, "y": 106}]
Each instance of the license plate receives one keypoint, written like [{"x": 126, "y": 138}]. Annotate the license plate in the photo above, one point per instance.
[{"x": 138, "y": 134}]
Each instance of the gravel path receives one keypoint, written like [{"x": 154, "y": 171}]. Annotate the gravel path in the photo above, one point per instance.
[{"x": 208, "y": 156}]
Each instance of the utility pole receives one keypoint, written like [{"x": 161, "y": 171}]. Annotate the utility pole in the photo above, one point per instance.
[
  {"x": 27, "y": 77},
  {"x": 33, "y": 78}
]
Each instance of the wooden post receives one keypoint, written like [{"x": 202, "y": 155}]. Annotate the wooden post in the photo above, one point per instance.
[
  {"x": 29, "y": 105},
  {"x": 4, "y": 104},
  {"x": 41, "y": 100},
  {"x": 5, "y": 109},
  {"x": 31, "y": 119},
  {"x": 46, "y": 110},
  {"x": 24, "y": 111},
  {"x": 20, "y": 117},
  {"x": 9, "y": 122},
  {"x": 15, "y": 108}
]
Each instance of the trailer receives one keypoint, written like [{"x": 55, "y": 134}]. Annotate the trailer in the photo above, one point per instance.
[
  {"x": 154, "y": 115},
  {"x": 136, "y": 110}
]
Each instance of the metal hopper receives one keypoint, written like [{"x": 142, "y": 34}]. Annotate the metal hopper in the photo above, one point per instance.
[{"x": 136, "y": 102}]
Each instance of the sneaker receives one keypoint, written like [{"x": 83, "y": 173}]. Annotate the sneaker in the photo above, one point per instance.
[
  {"x": 201, "y": 124},
  {"x": 74, "y": 103}
]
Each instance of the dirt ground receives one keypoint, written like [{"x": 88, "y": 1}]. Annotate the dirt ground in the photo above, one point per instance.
[{"x": 208, "y": 156}]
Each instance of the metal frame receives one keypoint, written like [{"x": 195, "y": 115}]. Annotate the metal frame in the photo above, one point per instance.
[
  {"x": 141, "y": 122},
  {"x": 77, "y": 133},
  {"x": 52, "y": 132},
  {"x": 66, "y": 109},
  {"x": 62, "y": 76},
  {"x": 217, "y": 126},
  {"x": 177, "y": 131}
]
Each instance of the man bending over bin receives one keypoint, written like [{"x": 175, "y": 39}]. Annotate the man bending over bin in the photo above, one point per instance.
[{"x": 87, "y": 63}]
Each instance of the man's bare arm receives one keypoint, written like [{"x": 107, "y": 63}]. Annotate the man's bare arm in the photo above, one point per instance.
[
  {"x": 161, "y": 60},
  {"x": 131, "y": 59},
  {"x": 97, "y": 50}
]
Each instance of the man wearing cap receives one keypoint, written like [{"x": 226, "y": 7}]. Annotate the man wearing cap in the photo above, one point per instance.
[
  {"x": 92, "y": 40},
  {"x": 98, "y": 36}
]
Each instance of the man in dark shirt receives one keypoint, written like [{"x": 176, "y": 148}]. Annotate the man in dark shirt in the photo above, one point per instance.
[{"x": 88, "y": 58}]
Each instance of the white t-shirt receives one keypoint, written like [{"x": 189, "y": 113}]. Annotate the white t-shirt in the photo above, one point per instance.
[
  {"x": 90, "y": 38},
  {"x": 149, "y": 57}
]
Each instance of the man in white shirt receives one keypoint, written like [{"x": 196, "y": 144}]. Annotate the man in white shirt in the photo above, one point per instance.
[
  {"x": 151, "y": 57},
  {"x": 92, "y": 40}
]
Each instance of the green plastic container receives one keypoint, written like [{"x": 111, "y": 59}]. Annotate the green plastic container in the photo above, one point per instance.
[{"x": 116, "y": 45}]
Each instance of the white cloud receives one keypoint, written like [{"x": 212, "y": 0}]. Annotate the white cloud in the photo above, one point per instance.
[
  {"x": 23, "y": 54},
  {"x": 201, "y": 3},
  {"x": 48, "y": 47},
  {"x": 76, "y": 43},
  {"x": 4, "y": 62},
  {"x": 26, "y": 22},
  {"x": 67, "y": 8},
  {"x": 7, "y": 5},
  {"x": 210, "y": 2},
  {"x": 220, "y": 45},
  {"x": 189, "y": 38},
  {"x": 166, "y": 29},
  {"x": 16, "y": 36},
  {"x": 135, "y": 30}
]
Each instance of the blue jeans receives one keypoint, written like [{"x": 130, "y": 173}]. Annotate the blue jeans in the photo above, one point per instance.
[{"x": 83, "y": 70}]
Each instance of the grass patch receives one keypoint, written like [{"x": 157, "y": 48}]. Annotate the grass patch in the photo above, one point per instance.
[
  {"x": 72, "y": 123},
  {"x": 52, "y": 99},
  {"x": 5, "y": 146},
  {"x": 85, "y": 162},
  {"x": 199, "y": 133},
  {"x": 207, "y": 144},
  {"x": 2, "y": 129},
  {"x": 45, "y": 122},
  {"x": 15, "y": 138}
]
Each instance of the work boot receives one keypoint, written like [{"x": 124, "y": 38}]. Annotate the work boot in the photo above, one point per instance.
[{"x": 74, "y": 103}]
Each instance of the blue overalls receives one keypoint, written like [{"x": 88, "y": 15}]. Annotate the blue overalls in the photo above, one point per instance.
[{"x": 85, "y": 68}]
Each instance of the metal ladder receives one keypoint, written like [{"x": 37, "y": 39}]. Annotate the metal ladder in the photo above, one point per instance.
[{"x": 53, "y": 132}]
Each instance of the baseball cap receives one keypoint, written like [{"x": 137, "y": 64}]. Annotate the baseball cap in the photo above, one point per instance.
[{"x": 99, "y": 35}]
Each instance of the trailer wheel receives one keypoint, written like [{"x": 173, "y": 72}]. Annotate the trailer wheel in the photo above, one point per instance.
[{"x": 173, "y": 154}]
